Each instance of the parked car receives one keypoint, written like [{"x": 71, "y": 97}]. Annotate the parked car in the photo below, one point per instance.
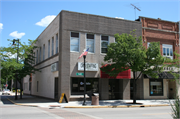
[{"x": 6, "y": 91}]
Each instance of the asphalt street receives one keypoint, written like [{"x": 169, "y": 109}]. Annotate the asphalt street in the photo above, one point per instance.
[
  {"x": 126, "y": 113},
  {"x": 11, "y": 111}
]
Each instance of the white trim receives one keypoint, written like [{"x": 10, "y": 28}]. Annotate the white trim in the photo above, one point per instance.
[
  {"x": 74, "y": 51},
  {"x": 170, "y": 47}
]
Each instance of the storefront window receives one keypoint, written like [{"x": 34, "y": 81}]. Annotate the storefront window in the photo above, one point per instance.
[
  {"x": 156, "y": 87},
  {"x": 77, "y": 85}
]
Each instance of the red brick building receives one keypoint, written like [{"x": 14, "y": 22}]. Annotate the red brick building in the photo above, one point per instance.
[
  {"x": 157, "y": 30},
  {"x": 167, "y": 33}
]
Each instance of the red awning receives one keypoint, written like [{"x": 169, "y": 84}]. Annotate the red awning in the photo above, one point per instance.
[{"x": 122, "y": 75}]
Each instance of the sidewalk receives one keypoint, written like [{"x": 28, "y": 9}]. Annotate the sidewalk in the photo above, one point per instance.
[{"x": 28, "y": 100}]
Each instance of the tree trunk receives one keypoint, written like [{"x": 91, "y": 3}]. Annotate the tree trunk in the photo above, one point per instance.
[{"x": 134, "y": 88}]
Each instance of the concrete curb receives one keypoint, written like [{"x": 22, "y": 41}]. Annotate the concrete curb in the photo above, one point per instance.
[
  {"x": 98, "y": 106},
  {"x": 22, "y": 104},
  {"x": 116, "y": 106}
]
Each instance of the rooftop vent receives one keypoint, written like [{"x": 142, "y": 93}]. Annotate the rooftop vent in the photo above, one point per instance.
[{"x": 119, "y": 18}]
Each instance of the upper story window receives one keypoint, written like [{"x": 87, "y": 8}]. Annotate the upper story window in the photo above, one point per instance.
[
  {"x": 104, "y": 43},
  {"x": 90, "y": 42},
  {"x": 56, "y": 43},
  {"x": 115, "y": 40},
  {"x": 34, "y": 58},
  {"x": 74, "y": 42},
  {"x": 148, "y": 44},
  {"x": 48, "y": 48},
  {"x": 52, "y": 46},
  {"x": 37, "y": 57},
  {"x": 167, "y": 51},
  {"x": 40, "y": 54},
  {"x": 44, "y": 52}
]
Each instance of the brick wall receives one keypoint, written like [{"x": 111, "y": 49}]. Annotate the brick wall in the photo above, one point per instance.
[{"x": 156, "y": 30}]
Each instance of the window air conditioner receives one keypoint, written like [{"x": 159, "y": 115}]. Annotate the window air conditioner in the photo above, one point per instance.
[{"x": 54, "y": 67}]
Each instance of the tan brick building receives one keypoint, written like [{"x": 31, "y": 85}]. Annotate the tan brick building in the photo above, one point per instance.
[
  {"x": 64, "y": 39},
  {"x": 60, "y": 45}
]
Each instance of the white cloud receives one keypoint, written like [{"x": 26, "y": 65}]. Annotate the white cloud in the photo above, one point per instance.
[
  {"x": 15, "y": 34},
  {"x": 46, "y": 20},
  {"x": 12, "y": 56},
  {"x": 1, "y": 26},
  {"x": 119, "y": 18}
]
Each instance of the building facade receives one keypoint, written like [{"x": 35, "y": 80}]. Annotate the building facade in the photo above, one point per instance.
[
  {"x": 65, "y": 38},
  {"x": 60, "y": 45},
  {"x": 167, "y": 33}
]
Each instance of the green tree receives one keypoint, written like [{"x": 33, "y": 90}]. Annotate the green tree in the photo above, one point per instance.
[
  {"x": 24, "y": 66},
  {"x": 128, "y": 52}
]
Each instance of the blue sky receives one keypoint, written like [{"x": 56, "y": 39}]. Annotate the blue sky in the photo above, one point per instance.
[{"x": 26, "y": 19}]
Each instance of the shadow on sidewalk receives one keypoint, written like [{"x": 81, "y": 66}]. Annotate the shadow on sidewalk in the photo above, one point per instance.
[
  {"x": 31, "y": 99},
  {"x": 106, "y": 102}
]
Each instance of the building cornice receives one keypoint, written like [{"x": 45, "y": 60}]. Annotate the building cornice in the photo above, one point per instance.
[{"x": 160, "y": 30}]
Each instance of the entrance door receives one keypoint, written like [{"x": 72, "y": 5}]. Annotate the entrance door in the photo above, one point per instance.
[
  {"x": 56, "y": 89},
  {"x": 114, "y": 92}
]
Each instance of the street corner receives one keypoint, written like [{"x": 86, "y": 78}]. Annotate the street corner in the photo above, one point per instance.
[
  {"x": 21, "y": 104},
  {"x": 11, "y": 101}
]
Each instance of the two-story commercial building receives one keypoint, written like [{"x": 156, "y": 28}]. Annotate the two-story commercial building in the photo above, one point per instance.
[
  {"x": 65, "y": 38},
  {"x": 60, "y": 45}
]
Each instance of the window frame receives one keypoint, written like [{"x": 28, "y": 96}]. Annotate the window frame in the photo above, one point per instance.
[
  {"x": 52, "y": 47},
  {"x": 156, "y": 80},
  {"x": 93, "y": 43},
  {"x": 78, "y": 41},
  {"x": 167, "y": 46},
  {"x": 56, "y": 43},
  {"x": 37, "y": 57},
  {"x": 78, "y": 86},
  {"x": 34, "y": 57},
  {"x": 48, "y": 48},
  {"x": 103, "y": 41},
  {"x": 43, "y": 52},
  {"x": 40, "y": 54}
]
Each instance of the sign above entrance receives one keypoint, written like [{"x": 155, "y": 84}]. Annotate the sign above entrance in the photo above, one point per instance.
[{"x": 89, "y": 66}]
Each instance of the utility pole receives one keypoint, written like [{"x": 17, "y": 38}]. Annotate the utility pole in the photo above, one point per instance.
[{"x": 17, "y": 62}]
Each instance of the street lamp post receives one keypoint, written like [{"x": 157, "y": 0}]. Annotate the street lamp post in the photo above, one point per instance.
[
  {"x": 84, "y": 56},
  {"x": 84, "y": 103},
  {"x": 17, "y": 62}
]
